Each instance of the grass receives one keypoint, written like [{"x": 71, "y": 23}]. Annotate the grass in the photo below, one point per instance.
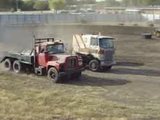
[{"x": 28, "y": 97}]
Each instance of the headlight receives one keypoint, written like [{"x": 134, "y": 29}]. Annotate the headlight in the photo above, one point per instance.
[{"x": 80, "y": 63}]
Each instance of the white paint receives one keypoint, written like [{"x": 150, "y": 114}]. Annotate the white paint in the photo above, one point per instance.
[{"x": 151, "y": 17}]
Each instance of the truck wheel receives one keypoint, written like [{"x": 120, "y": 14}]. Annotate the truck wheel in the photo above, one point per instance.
[
  {"x": 17, "y": 66},
  {"x": 53, "y": 75},
  {"x": 94, "y": 65},
  {"x": 7, "y": 65}
]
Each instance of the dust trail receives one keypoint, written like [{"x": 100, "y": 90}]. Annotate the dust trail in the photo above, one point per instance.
[{"x": 15, "y": 38}]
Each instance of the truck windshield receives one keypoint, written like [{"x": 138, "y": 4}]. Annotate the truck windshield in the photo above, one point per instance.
[
  {"x": 56, "y": 48},
  {"x": 106, "y": 43}
]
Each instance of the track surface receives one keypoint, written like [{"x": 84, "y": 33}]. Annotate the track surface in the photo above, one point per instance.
[{"x": 135, "y": 79}]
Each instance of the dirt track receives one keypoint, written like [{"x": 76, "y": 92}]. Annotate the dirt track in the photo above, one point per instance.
[
  {"x": 137, "y": 62},
  {"x": 135, "y": 79}
]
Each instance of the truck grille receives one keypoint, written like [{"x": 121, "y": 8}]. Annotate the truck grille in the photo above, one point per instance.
[
  {"x": 71, "y": 63},
  {"x": 109, "y": 55}
]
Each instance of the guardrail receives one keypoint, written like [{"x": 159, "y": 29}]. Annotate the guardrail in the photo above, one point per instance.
[{"x": 50, "y": 18}]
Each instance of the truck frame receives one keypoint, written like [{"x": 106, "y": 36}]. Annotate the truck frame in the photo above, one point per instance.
[{"x": 46, "y": 58}]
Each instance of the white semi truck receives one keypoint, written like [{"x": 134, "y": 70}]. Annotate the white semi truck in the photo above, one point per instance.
[{"x": 97, "y": 51}]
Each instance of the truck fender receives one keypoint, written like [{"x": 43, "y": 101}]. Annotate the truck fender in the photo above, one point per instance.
[
  {"x": 53, "y": 64},
  {"x": 3, "y": 59},
  {"x": 11, "y": 58}
]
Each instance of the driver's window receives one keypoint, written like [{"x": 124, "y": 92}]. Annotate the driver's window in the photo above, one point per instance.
[
  {"x": 51, "y": 48},
  {"x": 60, "y": 47},
  {"x": 94, "y": 42},
  {"x": 42, "y": 50}
]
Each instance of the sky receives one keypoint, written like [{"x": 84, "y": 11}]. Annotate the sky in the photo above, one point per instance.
[
  {"x": 104, "y": 0},
  {"x": 99, "y": 0}
]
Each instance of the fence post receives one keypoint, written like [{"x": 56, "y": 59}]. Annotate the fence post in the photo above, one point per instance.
[{"x": 0, "y": 19}]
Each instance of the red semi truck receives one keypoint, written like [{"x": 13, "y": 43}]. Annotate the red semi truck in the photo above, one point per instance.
[{"x": 46, "y": 58}]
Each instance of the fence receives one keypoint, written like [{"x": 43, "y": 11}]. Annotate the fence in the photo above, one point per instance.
[{"x": 50, "y": 18}]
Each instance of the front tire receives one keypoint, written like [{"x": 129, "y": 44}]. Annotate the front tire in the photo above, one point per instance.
[
  {"x": 94, "y": 65},
  {"x": 7, "y": 65},
  {"x": 53, "y": 75},
  {"x": 17, "y": 66}
]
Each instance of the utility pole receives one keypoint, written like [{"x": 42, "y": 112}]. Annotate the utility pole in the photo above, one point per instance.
[{"x": 17, "y": 7}]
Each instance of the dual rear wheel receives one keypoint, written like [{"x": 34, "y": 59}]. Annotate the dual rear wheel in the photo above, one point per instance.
[
  {"x": 7, "y": 65},
  {"x": 16, "y": 66}
]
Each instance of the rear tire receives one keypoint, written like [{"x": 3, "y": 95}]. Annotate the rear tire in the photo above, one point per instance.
[
  {"x": 7, "y": 65},
  {"x": 17, "y": 66},
  {"x": 53, "y": 75},
  {"x": 94, "y": 65}
]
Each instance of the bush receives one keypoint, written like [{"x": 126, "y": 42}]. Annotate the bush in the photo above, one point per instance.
[
  {"x": 28, "y": 5},
  {"x": 56, "y": 4},
  {"x": 41, "y": 5}
]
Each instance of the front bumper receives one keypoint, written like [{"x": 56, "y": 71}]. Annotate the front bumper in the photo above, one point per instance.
[
  {"x": 71, "y": 72},
  {"x": 107, "y": 63}
]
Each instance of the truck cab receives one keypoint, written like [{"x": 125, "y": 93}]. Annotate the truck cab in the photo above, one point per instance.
[
  {"x": 51, "y": 58},
  {"x": 97, "y": 51}
]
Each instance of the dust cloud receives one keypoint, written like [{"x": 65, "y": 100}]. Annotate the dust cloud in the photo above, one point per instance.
[{"x": 16, "y": 38}]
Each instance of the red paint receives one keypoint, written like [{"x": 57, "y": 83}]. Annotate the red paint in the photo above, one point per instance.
[{"x": 43, "y": 59}]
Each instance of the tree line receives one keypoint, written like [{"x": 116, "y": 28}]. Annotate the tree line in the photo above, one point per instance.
[
  {"x": 135, "y": 3},
  {"x": 29, "y": 5},
  {"x": 141, "y": 2}
]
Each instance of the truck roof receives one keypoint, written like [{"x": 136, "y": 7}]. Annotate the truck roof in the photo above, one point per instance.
[
  {"x": 52, "y": 42},
  {"x": 96, "y": 36}
]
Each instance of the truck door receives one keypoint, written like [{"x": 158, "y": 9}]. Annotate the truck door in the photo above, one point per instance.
[
  {"x": 94, "y": 46},
  {"x": 42, "y": 58}
]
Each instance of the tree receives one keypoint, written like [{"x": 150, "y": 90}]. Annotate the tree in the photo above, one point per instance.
[
  {"x": 70, "y": 2},
  {"x": 141, "y": 2},
  {"x": 41, "y": 5},
  {"x": 3, "y": 3},
  {"x": 152, "y": 2},
  {"x": 28, "y": 5},
  {"x": 112, "y": 3},
  {"x": 56, "y": 4},
  {"x": 6, "y": 4}
]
